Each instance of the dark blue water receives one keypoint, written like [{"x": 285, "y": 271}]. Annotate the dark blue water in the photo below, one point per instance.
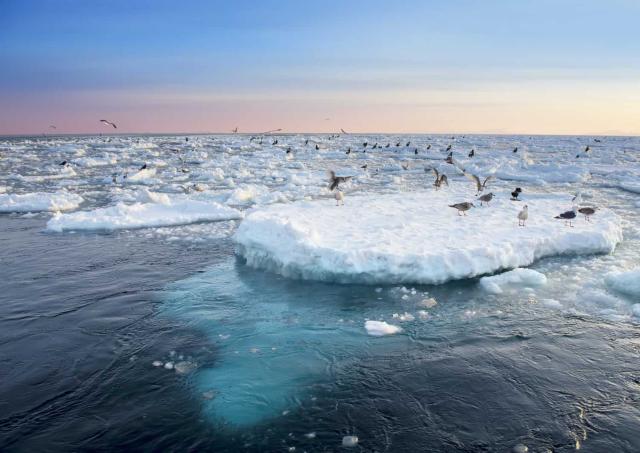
[{"x": 83, "y": 316}]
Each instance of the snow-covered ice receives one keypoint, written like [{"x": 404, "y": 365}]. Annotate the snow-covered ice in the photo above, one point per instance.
[
  {"x": 415, "y": 237},
  {"x": 142, "y": 215},
  {"x": 518, "y": 277},
  {"x": 39, "y": 201}
]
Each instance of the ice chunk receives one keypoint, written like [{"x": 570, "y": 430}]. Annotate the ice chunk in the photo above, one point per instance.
[
  {"x": 380, "y": 328},
  {"x": 625, "y": 282},
  {"x": 414, "y": 237},
  {"x": 39, "y": 201},
  {"x": 142, "y": 215},
  {"x": 517, "y": 277},
  {"x": 349, "y": 441}
]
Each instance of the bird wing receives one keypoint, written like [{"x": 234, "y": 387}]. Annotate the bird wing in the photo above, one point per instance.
[
  {"x": 475, "y": 179},
  {"x": 487, "y": 179},
  {"x": 436, "y": 173},
  {"x": 343, "y": 131}
]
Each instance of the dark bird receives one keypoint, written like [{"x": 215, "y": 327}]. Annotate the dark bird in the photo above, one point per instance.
[
  {"x": 515, "y": 193},
  {"x": 415, "y": 151},
  {"x": 343, "y": 131},
  {"x": 567, "y": 216},
  {"x": 387, "y": 145},
  {"x": 397, "y": 144},
  {"x": 407, "y": 145},
  {"x": 472, "y": 153},
  {"x": 317, "y": 147},
  {"x": 288, "y": 150},
  {"x": 109, "y": 123},
  {"x": 144, "y": 167},
  {"x": 479, "y": 185},
  {"x": 448, "y": 148},
  {"x": 306, "y": 142},
  {"x": 364, "y": 166},
  {"x": 405, "y": 166},
  {"x": 486, "y": 198},
  {"x": 52, "y": 127},
  {"x": 275, "y": 142},
  {"x": 335, "y": 181},
  {"x": 235, "y": 131},
  {"x": 64, "y": 163},
  {"x": 348, "y": 151},
  {"x": 365, "y": 144},
  {"x": 186, "y": 139},
  {"x": 429, "y": 146},
  {"x": 587, "y": 149},
  {"x": 440, "y": 179},
  {"x": 449, "y": 158},
  {"x": 515, "y": 150},
  {"x": 587, "y": 213},
  {"x": 597, "y": 140},
  {"x": 462, "y": 207}
]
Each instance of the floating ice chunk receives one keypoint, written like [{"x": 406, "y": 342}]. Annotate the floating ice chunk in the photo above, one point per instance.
[
  {"x": 625, "y": 282},
  {"x": 157, "y": 363},
  {"x": 184, "y": 367},
  {"x": 311, "y": 435},
  {"x": 349, "y": 441},
  {"x": 168, "y": 366},
  {"x": 380, "y": 328},
  {"x": 428, "y": 303},
  {"x": 635, "y": 310},
  {"x": 404, "y": 317},
  {"x": 142, "y": 215},
  {"x": 394, "y": 239},
  {"x": 39, "y": 201},
  {"x": 520, "y": 448},
  {"x": 146, "y": 196},
  {"x": 517, "y": 277}
]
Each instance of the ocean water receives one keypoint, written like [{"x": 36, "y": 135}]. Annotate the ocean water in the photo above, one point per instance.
[{"x": 248, "y": 360}]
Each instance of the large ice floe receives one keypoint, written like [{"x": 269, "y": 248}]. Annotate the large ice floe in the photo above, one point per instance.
[
  {"x": 39, "y": 201},
  {"x": 415, "y": 237},
  {"x": 142, "y": 215}
]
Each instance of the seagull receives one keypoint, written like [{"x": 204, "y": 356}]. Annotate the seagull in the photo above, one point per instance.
[
  {"x": 587, "y": 213},
  {"x": 407, "y": 145},
  {"x": 348, "y": 151},
  {"x": 317, "y": 147},
  {"x": 429, "y": 146},
  {"x": 64, "y": 163},
  {"x": 335, "y": 181},
  {"x": 449, "y": 158},
  {"x": 568, "y": 216},
  {"x": 52, "y": 127},
  {"x": 235, "y": 131},
  {"x": 365, "y": 144},
  {"x": 515, "y": 150},
  {"x": 364, "y": 166},
  {"x": 289, "y": 150},
  {"x": 415, "y": 151},
  {"x": 405, "y": 166},
  {"x": 339, "y": 198},
  {"x": 472, "y": 153},
  {"x": 486, "y": 198},
  {"x": 275, "y": 142},
  {"x": 523, "y": 215},
  {"x": 343, "y": 131},
  {"x": 448, "y": 148},
  {"x": 515, "y": 193},
  {"x": 144, "y": 167},
  {"x": 109, "y": 123},
  {"x": 480, "y": 186},
  {"x": 440, "y": 179},
  {"x": 462, "y": 207}
]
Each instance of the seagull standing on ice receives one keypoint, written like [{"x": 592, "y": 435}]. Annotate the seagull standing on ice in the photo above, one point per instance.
[
  {"x": 486, "y": 198},
  {"x": 523, "y": 216},
  {"x": 462, "y": 207},
  {"x": 109, "y": 123},
  {"x": 587, "y": 213},
  {"x": 568, "y": 216}
]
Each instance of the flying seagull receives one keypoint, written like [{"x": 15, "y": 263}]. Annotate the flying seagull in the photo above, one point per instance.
[
  {"x": 52, "y": 127},
  {"x": 479, "y": 185},
  {"x": 343, "y": 131},
  {"x": 235, "y": 131},
  {"x": 109, "y": 123},
  {"x": 440, "y": 179},
  {"x": 335, "y": 181}
]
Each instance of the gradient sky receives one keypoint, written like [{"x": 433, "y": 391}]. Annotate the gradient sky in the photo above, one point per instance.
[{"x": 472, "y": 66}]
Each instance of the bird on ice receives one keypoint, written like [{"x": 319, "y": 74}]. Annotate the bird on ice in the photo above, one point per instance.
[
  {"x": 479, "y": 185},
  {"x": 587, "y": 213},
  {"x": 486, "y": 198},
  {"x": 462, "y": 207},
  {"x": 449, "y": 158},
  {"x": 440, "y": 179},
  {"x": 523, "y": 215},
  {"x": 516, "y": 193},
  {"x": 568, "y": 216},
  {"x": 335, "y": 181},
  {"x": 472, "y": 153},
  {"x": 109, "y": 123}
]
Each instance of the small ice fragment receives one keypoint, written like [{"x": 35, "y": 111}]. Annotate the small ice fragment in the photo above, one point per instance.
[
  {"x": 292, "y": 448},
  {"x": 311, "y": 435},
  {"x": 285, "y": 412},
  {"x": 378, "y": 290},
  {"x": 223, "y": 336},
  {"x": 423, "y": 314},
  {"x": 405, "y": 297},
  {"x": 172, "y": 353},
  {"x": 254, "y": 350},
  {"x": 428, "y": 303},
  {"x": 520, "y": 448},
  {"x": 405, "y": 317},
  {"x": 184, "y": 367},
  {"x": 380, "y": 328},
  {"x": 168, "y": 366},
  {"x": 349, "y": 441},
  {"x": 157, "y": 363},
  {"x": 209, "y": 394}
]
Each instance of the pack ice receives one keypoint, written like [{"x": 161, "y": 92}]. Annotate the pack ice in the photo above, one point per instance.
[
  {"x": 416, "y": 237},
  {"x": 39, "y": 201}
]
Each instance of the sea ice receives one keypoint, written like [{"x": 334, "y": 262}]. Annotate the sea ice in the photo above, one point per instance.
[
  {"x": 518, "y": 277},
  {"x": 415, "y": 237},
  {"x": 380, "y": 328},
  {"x": 39, "y": 201},
  {"x": 625, "y": 282},
  {"x": 142, "y": 215}
]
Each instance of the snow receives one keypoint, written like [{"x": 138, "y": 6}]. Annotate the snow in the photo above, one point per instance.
[
  {"x": 627, "y": 282},
  {"x": 415, "y": 237},
  {"x": 39, "y": 201},
  {"x": 380, "y": 328},
  {"x": 142, "y": 215},
  {"x": 518, "y": 277}
]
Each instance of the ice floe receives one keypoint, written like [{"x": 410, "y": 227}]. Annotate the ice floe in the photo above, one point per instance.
[
  {"x": 381, "y": 328},
  {"x": 627, "y": 282},
  {"x": 142, "y": 215},
  {"x": 39, "y": 201},
  {"x": 518, "y": 277},
  {"x": 415, "y": 237}
]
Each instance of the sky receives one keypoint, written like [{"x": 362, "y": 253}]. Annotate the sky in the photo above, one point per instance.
[{"x": 431, "y": 66}]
